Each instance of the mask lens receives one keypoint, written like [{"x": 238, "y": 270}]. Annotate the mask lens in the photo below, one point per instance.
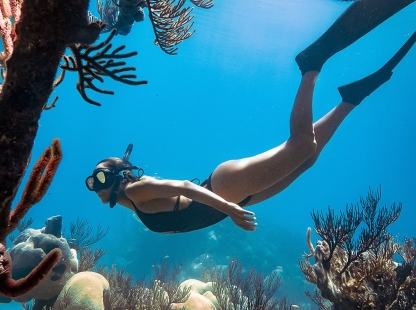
[
  {"x": 101, "y": 177},
  {"x": 90, "y": 183}
]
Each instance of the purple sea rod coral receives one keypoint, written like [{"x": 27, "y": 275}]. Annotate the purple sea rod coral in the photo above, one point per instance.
[{"x": 36, "y": 187}]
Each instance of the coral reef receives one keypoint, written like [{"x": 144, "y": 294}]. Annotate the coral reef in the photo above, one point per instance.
[
  {"x": 112, "y": 288},
  {"x": 359, "y": 272},
  {"x": 235, "y": 289},
  {"x": 224, "y": 289},
  {"x": 60, "y": 287},
  {"x": 126, "y": 295}
]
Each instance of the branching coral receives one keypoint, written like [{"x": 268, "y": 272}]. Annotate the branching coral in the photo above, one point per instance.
[
  {"x": 81, "y": 236},
  {"x": 89, "y": 258},
  {"x": 236, "y": 290},
  {"x": 170, "y": 19},
  {"x": 171, "y": 23},
  {"x": 88, "y": 67},
  {"x": 9, "y": 10},
  {"x": 139, "y": 296},
  {"x": 36, "y": 187},
  {"x": 360, "y": 273},
  {"x": 102, "y": 63}
]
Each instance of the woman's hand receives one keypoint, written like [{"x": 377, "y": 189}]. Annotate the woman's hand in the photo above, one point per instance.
[{"x": 242, "y": 218}]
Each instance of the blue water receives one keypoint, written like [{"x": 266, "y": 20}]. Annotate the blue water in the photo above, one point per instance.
[{"x": 228, "y": 94}]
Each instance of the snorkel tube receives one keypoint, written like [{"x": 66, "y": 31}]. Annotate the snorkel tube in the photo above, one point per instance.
[{"x": 128, "y": 166}]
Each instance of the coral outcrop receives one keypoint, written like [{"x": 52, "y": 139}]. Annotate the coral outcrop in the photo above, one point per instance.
[
  {"x": 28, "y": 250},
  {"x": 360, "y": 272},
  {"x": 85, "y": 290},
  {"x": 226, "y": 287},
  {"x": 200, "y": 297}
]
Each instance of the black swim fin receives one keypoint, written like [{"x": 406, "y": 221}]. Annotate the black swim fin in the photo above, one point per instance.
[
  {"x": 356, "y": 91},
  {"x": 358, "y": 19}
]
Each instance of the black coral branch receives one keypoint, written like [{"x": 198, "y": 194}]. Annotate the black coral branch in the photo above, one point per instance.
[{"x": 99, "y": 65}]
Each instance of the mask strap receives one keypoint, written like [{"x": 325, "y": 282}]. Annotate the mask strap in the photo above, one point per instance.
[
  {"x": 140, "y": 172},
  {"x": 196, "y": 181}
]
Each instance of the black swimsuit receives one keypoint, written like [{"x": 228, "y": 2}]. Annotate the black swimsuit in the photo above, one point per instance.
[{"x": 196, "y": 216}]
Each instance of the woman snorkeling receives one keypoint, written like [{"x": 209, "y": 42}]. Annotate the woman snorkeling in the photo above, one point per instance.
[{"x": 171, "y": 206}]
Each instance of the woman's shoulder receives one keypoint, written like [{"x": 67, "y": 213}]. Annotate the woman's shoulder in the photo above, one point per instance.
[
  {"x": 149, "y": 188},
  {"x": 142, "y": 183}
]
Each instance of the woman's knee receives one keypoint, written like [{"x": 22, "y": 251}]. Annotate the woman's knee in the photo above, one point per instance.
[
  {"x": 311, "y": 160},
  {"x": 303, "y": 144}
]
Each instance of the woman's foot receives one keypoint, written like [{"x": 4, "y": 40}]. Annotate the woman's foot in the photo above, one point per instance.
[
  {"x": 356, "y": 91},
  {"x": 359, "y": 18}
]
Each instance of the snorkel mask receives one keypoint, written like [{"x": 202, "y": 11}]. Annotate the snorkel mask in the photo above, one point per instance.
[{"x": 104, "y": 178}]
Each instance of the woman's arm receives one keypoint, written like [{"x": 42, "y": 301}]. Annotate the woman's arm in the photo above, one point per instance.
[{"x": 150, "y": 188}]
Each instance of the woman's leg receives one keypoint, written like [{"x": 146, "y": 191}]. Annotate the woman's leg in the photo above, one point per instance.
[
  {"x": 324, "y": 130},
  {"x": 266, "y": 174},
  {"x": 236, "y": 179},
  {"x": 359, "y": 18},
  {"x": 352, "y": 94}
]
